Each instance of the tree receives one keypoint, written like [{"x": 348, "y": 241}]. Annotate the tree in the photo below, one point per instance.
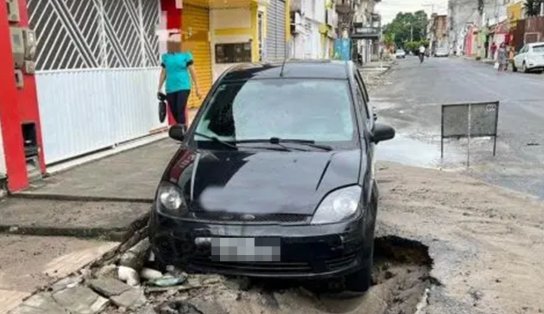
[
  {"x": 389, "y": 40},
  {"x": 407, "y": 27},
  {"x": 532, "y": 7}
]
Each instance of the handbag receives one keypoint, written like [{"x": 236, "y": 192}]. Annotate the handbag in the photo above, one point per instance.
[
  {"x": 162, "y": 107},
  {"x": 162, "y": 111}
]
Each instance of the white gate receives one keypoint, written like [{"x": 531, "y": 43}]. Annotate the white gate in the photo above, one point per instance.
[{"x": 97, "y": 72}]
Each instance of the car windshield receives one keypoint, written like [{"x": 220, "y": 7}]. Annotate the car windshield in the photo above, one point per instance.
[
  {"x": 313, "y": 110},
  {"x": 538, "y": 49}
]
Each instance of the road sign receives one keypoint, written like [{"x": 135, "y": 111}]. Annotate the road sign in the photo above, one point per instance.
[{"x": 470, "y": 120}]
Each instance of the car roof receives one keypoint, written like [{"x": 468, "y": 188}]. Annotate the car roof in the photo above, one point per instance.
[
  {"x": 536, "y": 44},
  {"x": 326, "y": 69}
]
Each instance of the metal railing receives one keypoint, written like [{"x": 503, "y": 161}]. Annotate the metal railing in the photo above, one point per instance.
[{"x": 76, "y": 34}]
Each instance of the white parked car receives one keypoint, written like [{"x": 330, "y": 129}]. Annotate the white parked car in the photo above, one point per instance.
[
  {"x": 530, "y": 58},
  {"x": 441, "y": 52},
  {"x": 400, "y": 53}
]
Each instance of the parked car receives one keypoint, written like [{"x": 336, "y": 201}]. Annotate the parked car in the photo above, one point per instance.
[
  {"x": 275, "y": 177},
  {"x": 530, "y": 58},
  {"x": 442, "y": 52},
  {"x": 400, "y": 54}
]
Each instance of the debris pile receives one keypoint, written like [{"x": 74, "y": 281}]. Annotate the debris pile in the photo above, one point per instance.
[{"x": 132, "y": 282}]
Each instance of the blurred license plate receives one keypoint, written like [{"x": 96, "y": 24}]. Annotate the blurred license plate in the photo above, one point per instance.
[{"x": 246, "y": 249}]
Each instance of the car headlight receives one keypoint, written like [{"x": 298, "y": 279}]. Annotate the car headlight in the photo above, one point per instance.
[
  {"x": 338, "y": 205},
  {"x": 170, "y": 199}
]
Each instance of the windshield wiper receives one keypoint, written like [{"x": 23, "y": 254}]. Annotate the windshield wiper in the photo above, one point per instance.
[
  {"x": 216, "y": 140},
  {"x": 280, "y": 148},
  {"x": 310, "y": 143},
  {"x": 280, "y": 142}
]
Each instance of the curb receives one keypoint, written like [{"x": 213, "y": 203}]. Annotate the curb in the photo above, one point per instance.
[
  {"x": 60, "y": 197},
  {"x": 110, "y": 234}
]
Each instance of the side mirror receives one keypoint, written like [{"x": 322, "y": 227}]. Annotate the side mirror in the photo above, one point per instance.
[
  {"x": 177, "y": 132},
  {"x": 382, "y": 132}
]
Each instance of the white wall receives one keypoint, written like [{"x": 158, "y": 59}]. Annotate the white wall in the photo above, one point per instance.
[
  {"x": 227, "y": 19},
  {"x": 85, "y": 110},
  {"x": 309, "y": 45}
]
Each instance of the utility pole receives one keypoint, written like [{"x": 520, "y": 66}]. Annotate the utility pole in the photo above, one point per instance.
[{"x": 411, "y": 32}]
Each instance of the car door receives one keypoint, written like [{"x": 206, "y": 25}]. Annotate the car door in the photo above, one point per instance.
[
  {"x": 518, "y": 59},
  {"x": 368, "y": 125}
]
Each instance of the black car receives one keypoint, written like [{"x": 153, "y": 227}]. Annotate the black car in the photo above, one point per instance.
[{"x": 275, "y": 177}]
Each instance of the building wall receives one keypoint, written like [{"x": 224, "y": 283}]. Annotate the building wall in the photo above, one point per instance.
[
  {"x": 230, "y": 26},
  {"x": 16, "y": 106},
  {"x": 461, "y": 14},
  {"x": 312, "y": 43},
  {"x": 196, "y": 39}
]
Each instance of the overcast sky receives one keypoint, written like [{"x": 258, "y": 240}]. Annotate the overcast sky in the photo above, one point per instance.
[{"x": 389, "y": 8}]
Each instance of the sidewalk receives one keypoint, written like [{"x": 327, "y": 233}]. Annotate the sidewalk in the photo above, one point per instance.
[
  {"x": 128, "y": 176},
  {"x": 75, "y": 216}
]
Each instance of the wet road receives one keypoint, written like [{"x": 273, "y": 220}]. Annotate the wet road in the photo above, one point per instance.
[{"x": 410, "y": 99}]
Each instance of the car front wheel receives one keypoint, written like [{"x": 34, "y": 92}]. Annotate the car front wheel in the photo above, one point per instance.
[
  {"x": 514, "y": 67},
  {"x": 359, "y": 281}
]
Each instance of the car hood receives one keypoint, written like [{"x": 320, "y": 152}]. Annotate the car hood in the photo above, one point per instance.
[{"x": 263, "y": 182}]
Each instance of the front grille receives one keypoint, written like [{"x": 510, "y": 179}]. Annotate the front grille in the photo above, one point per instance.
[
  {"x": 251, "y": 218},
  {"x": 340, "y": 262},
  {"x": 253, "y": 267}
]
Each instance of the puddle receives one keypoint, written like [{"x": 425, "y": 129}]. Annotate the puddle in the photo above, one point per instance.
[
  {"x": 411, "y": 152},
  {"x": 418, "y": 153}
]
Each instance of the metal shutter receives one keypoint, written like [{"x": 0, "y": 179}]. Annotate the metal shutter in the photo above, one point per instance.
[
  {"x": 196, "y": 22},
  {"x": 275, "y": 31}
]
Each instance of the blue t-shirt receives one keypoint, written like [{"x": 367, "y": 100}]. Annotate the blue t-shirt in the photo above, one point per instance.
[{"x": 177, "y": 74}]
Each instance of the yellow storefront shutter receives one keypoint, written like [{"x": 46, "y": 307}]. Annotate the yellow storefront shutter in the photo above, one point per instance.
[{"x": 196, "y": 26}]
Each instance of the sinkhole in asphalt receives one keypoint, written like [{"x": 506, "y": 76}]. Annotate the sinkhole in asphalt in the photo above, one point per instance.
[{"x": 401, "y": 278}]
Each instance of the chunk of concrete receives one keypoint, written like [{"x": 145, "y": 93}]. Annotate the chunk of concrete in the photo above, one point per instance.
[
  {"x": 150, "y": 274},
  {"x": 148, "y": 309},
  {"x": 180, "y": 307},
  {"x": 108, "y": 286},
  {"x": 39, "y": 303},
  {"x": 136, "y": 255},
  {"x": 106, "y": 271},
  {"x": 81, "y": 300},
  {"x": 131, "y": 299},
  {"x": 128, "y": 275},
  {"x": 68, "y": 282}
]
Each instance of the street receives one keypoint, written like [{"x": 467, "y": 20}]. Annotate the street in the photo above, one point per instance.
[{"x": 410, "y": 99}]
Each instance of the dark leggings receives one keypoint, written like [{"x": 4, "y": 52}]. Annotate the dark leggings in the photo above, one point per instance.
[{"x": 177, "y": 101}]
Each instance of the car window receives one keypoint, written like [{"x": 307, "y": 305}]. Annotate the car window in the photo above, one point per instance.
[
  {"x": 524, "y": 49},
  {"x": 362, "y": 89},
  {"x": 311, "y": 109},
  {"x": 538, "y": 48},
  {"x": 365, "y": 92}
]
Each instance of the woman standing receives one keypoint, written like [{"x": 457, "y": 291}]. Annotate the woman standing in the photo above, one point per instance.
[
  {"x": 502, "y": 57},
  {"x": 178, "y": 72}
]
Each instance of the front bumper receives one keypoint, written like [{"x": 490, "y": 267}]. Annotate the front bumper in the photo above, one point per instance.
[
  {"x": 307, "y": 251},
  {"x": 535, "y": 65}
]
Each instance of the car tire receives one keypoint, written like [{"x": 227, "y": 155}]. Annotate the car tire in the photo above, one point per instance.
[
  {"x": 514, "y": 69},
  {"x": 359, "y": 281}
]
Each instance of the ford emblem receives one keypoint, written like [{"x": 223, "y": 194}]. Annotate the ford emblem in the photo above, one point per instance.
[{"x": 248, "y": 217}]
